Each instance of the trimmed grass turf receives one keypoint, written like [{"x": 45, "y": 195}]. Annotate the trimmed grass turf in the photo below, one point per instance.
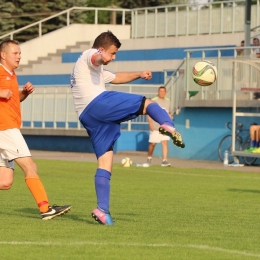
[{"x": 160, "y": 213}]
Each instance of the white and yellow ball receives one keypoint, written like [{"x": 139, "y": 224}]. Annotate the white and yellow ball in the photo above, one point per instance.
[
  {"x": 126, "y": 162},
  {"x": 204, "y": 73}
]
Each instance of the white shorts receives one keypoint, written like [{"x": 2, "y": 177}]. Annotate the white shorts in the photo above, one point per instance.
[
  {"x": 12, "y": 146},
  {"x": 156, "y": 137}
]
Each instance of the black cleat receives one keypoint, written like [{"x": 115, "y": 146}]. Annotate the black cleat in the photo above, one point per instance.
[
  {"x": 171, "y": 132},
  {"x": 55, "y": 211}
]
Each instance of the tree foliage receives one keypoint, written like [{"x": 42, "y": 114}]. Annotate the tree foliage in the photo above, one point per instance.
[
  {"x": 19, "y": 13},
  {"x": 143, "y": 3}
]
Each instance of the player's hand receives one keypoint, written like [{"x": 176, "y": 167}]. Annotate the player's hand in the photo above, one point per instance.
[
  {"x": 28, "y": 89},
  {"x": 6, "y": 93},
  {"x": 146, "y": 75}
]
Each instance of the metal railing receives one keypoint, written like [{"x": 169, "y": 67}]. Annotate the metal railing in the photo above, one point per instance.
[
  {"x": 189, "y": 19},
  {"x": 68, "y": 13},
  {"x": 53, "y": 108},
  {"x": 171, "y": 20},
  {"x": 182, "y": 87}
]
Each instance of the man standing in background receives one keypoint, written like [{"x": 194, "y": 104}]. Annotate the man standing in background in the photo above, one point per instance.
[
  {"x": 155, "y": 137},
  {"x": 256, "y": 43},
  {"x": 240, "y": 52}
]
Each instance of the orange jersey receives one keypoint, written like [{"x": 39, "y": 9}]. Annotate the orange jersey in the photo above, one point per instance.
[{"x": 10, "y": 112}]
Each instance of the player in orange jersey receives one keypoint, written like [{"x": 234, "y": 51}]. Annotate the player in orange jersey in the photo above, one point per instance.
[{"x": 12, "y": 144}]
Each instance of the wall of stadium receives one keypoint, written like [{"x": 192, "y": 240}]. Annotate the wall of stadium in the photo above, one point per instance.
[
  {"x": 201, "y": 128},
  {"x": 68, "y": 36}
]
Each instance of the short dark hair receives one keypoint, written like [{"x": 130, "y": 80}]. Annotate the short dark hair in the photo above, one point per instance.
[
  {"x": 243, "y": 41},
  {"x": 4, "y": 44},
  {"x": 162, "y": 87},
  {"x": 255, "y": 39},
  {"x": 105, "y": 40}
]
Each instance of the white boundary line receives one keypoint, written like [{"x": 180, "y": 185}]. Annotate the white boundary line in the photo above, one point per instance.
[{"x": 199, "y": 247}]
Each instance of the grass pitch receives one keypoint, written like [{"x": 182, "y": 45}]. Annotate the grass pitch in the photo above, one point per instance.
[{"x": 160, "y": 213}]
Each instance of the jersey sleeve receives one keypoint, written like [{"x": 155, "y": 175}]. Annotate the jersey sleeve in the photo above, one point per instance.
[
  {"x": 108, "y": 76},
  {"x": 88, "y": 57}
]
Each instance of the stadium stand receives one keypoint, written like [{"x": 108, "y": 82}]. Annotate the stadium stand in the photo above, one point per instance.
[{"x": 49, "y": 66}]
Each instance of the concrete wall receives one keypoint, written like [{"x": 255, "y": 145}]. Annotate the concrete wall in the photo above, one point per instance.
[
  {"x": 68, "y": 36},
  {"x": 59, "y": 39},
  {"x": 207, "y": 125},
  {"x": 202, "y": 129},
  {"x": 202, "y": 136},
  {"x": 182, "y": 41}
]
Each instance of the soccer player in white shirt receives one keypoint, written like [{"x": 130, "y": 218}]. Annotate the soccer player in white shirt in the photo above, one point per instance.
[{"x": 101, "y": 111}]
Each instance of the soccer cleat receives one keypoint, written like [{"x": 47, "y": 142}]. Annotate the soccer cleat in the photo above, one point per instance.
[
  {"x": 250, "y": 149},
  {"x": 235, "y": 164},
  {"x": 102, "y": 217},
  {"x": 256, "y": 150},
  {"x": 165, "y": 163},
  {"x": 55, "y": 211},
  {"x": 171, "y": 132}
]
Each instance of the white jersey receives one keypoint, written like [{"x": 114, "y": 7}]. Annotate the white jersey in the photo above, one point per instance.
[{"x": 88, "y": 80}]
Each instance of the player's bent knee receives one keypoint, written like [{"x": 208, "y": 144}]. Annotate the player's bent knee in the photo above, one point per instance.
[
  {"x": 6, "y": 185},
  {"x": 29, "y": 167}
]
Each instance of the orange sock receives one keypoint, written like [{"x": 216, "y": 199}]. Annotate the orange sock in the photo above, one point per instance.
[{"x": 36, "y": 187}]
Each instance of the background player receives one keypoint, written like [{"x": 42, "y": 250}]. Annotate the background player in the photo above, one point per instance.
[{"x": 155, "y": 137}]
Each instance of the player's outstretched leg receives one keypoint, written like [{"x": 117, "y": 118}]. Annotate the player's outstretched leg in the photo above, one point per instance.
[
  {"x": 102, "y": 217},
  {"x": 166, "y": 124},
  {"x": 55, "y": 211},
  {"x": 173, "y": 134}
]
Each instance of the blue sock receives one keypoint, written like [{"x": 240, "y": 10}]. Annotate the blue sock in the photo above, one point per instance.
[
  {"x": 253, "y": 143},
  {"x": 102, "y": 185},
  {"x": 257, "y": 144},
  {"x": 158, "y": 114}
]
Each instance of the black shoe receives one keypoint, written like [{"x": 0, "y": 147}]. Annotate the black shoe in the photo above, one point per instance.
[
  {"x": 55, "y": 211},
  {"x": 171, "y": 132},
  {"x": 165, "y": 163}
]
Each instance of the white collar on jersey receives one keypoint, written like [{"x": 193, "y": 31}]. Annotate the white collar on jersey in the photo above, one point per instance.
[{"x": 10, "y": 72}]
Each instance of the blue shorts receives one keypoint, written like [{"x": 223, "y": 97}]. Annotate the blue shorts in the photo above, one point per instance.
[{"x": 102, "y": 117}]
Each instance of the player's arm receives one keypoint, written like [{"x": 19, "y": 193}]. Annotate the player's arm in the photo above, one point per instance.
[
  {"x": 5, "y": 93},
  {"x": 97, "y": 59},
  {"x": 26, "y": 91},
  {"x": 125, "y": 77}
]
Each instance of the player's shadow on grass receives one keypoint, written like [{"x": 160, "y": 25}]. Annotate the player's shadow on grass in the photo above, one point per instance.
[
  {"x": 127, "y": 214},
  {"x": 28, "y": 212},
  {"x": 34, "y": 213},
  {"x": 121, "y": 217},
  {"x": 77, "y": 218},
  {"x": 244, "y": 190}
]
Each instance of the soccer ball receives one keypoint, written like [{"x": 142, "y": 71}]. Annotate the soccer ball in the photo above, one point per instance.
[
  {"x": 204, "y": 73},
  {"x": 126, "y": 162}
]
